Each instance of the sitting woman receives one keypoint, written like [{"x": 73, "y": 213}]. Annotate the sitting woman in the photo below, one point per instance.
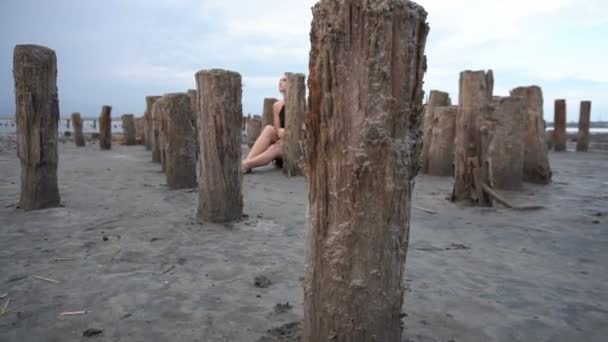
[{"x": 269, "y": 145}]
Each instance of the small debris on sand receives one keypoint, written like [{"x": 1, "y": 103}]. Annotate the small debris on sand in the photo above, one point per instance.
[
  {"x": 282, "y": 308},
  {"x": 290, "y": 332},
  {"x": 92, "y": 332},
  {"x": 261, "y": 282}
]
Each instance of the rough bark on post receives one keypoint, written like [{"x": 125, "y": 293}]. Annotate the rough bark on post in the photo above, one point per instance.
[
  {"x": 536, "y": 161},
  {"x": 559, "y": 126},
  {"x": 441, "y": 152},
  {"x": 78, "y": 134},
  {"x": 178, "y": 140},
  {"x": 105, "y": 128},
  {"x": 295, "y": 106},
  {"x": 37, "y": 115},
  {"x": 128, "y": 129},
  {"x": 267, "y": 113},
  {"x": 220, "y": 109},
  {"x": 161, "y": 121},
  {"x": 149, "y": 129},
  {"x": 363, "y": 137},
  {"x": 436, "y": 99},
  {"x": 582, "y": 142},
  {"x": 506, "y": 146},
  {"x": 193, "y": 107},
  {"x": 471, "y": 168},
  {"x": 156, "y": 122},
  {"x": 254, "y": 129}
]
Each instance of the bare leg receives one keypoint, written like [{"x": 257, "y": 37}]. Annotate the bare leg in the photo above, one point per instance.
[
  {"x": 266, "y": 138},
  {"x": 272, "y": 152}
]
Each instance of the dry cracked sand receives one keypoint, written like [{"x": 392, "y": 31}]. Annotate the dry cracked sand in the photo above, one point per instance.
[{"x": 130, "y": 253}]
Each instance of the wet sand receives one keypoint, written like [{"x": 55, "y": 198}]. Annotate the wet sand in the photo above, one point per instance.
[{"x": 129, "y": 251}]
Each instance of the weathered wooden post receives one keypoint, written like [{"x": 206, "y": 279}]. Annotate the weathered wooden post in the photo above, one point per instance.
[
  {"x": 179, "y": 142},
  {"x": 436, "y": 99},
  {"x": 160, "y": 117},
  {"x": 193, "y": 107},
  {"x": 128, "y": 129},
  {"x": 536, "y": 161},
  {"x": 441, "y": 152},
  {"x": 37, "y": 114},
  {"x": 559, "y": 126},
  {"x": 471, "y": 167},
  {"x": 267, "y": 113},
  {"x": 105, "y": 128},
  {"x": 582, "y": 142},
  {"x": 293, "y": 142},
  {"x": 149, "y": 125},
  {"x": 506, "y": 148},
  {"x": 140, "y": 129},
  {"x": 156, "y": 123},
  {"x": 363, "y": 137},
  {"x": 254, "y": 129},
  {"x": 219, "y": 108},
  {"x": 78, "y": 134}
]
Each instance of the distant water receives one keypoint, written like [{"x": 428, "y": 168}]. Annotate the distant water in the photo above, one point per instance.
[{"x": 9, "y": 126}]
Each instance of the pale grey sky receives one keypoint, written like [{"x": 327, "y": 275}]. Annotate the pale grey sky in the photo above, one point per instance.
[{"x": 118, "y": 51}]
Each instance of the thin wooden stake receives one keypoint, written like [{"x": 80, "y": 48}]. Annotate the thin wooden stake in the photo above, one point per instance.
[{"x": 46, "y": 279}]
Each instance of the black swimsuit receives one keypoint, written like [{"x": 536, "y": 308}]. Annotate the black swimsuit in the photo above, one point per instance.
[{"x": 282, "y": 116}]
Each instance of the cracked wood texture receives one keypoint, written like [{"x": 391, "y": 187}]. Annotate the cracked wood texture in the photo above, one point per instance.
[
  {"x": 471, "y": 167},
  {"x": 436, "y": 99},
  {"x": 156, "y": 122},
  {"x": 128, "y": 129},
  {"x": 179, "y": 142},
  {"x": 363, "y": 132},
  {"x": 536, "y": 161},
  {"x": 105, "y": 128},
  {"x": 267, "y": 113},
  {"x": 295, "y": 106},
  {"x": 441, "y": 150},
  {"x": 582, "y": 142},
  {"x": 78, "y": 134},
  {"x": 254, "y": 129},
  {"x": 149, "y": 124},
  {"x": 506, "y": 145},
  {"x": 37, "y": 116},
  {"x": 559, "y": 126},
  {"x": 220, "y": 198},
  {"x": 193, "y": 107}
]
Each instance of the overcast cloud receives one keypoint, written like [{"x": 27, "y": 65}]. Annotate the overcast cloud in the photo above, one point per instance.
[{"x": 117, "y": 51}]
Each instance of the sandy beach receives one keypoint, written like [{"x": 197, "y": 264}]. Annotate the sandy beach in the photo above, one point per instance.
[{"x": 129, "y": 252}]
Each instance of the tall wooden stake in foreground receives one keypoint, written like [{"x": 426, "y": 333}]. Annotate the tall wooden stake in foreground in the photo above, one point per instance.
[
  {"x": 219, "y": 108},
  {"x": 471, "y": 167},
  {"x": 559, "y": 126},
  {"x": 363, "y": 131},
  {"x": 582, "y": 142},
  {"x": 295, "y": 106},
  {"x": 536, "y": 161},
  {"x": 78, "y": 134},
  {"x": 37, "y": 114},
  {"x": 105, "y": 128}
]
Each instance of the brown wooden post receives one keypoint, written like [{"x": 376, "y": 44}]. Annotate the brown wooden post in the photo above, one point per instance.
[
  {"x": 536, "y": 161},
  {"x": 128, "y": 129},
  {"x": 193, "y": 107},
  {"x": 220, "y": 110},
  {"x": 441, "y": 152},
  {"x": 105, "y": 128},
  {"x": 78, "y": 134},
  {"x": 506, "y": 146},
  {"x": 582, "y": 142},
  {"x": 436, "y": 99},
  {"x": 156, "y": 123},
  {"x": 559, "y": 126},
  {"x": 37, "y": 115},
  {"x": 140, "y": 129},
  {"x": 254, "y": 129},
  {"x": 149, "y": 129},
  {"x": 363, "y": 123},
  {"x": 471, "y": 168},
  {"x": 178, "y": 140},
  {"x": 293, "y": 142},
  {"x": 267, "y": 113}
]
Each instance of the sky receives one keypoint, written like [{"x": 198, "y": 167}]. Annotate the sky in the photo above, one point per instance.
[{"x": 116, "y": 52}]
